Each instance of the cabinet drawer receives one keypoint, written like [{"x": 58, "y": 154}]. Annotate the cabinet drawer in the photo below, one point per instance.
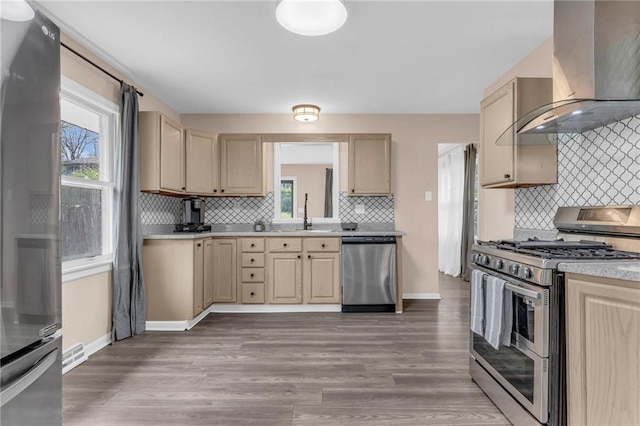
[
  {"x": 252, "y": 260},
  {"x": 282, "y": 245},
  {"x": 322, "y": 244},
  {"x": 253, "y": 275},
  {"x": 252, "y": 245},
  {"x": 252, "y": 293}
]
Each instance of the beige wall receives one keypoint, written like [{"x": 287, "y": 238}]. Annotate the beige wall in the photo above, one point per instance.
[
  {"x": 414, "y": 167},
  {"x": 86, "y": 309},
  {"x": 311, "y": 180},
  {"x": 496, "y": 206},
  {"x": 86, "y": 303}
]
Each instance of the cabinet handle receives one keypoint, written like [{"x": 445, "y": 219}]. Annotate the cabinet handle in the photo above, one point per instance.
[
  {"x": 507, "y": 175},
  {"x": 251, "y": 275},
  {"x": 284, "y": 245},
  {"x": 353, "y": 190},
  {"x": 253, "y": 245},
  {"x": 183, "y": 188},
  {"x": 253, "y": 294},
  {"x": 215, "y": 190},
  {"x": 309, "y": 256},
  {"x": 222, "y": 190},
  {"x": 252, "y": 260},
  {"x": 199, "y": 244},
  {"x": 323, "y": 246},
  {"x": 299, "y": 256}
]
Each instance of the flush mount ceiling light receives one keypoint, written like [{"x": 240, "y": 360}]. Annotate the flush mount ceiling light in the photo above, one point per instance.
[
  {"x": 311, "y": 17},
  {"x": 16, "y": 11},
  {"x": 306, "y": 112}
]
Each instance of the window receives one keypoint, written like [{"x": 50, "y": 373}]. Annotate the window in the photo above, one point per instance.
[
  {"x": 87, "y": 139},
  {"x": 288, "y": 197}
]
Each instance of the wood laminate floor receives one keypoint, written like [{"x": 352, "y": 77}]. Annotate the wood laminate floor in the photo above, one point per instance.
[{"x": 291, "y": 369}]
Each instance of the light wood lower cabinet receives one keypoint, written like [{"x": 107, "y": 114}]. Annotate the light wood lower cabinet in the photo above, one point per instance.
[
  {"x": 208, "y": 274},
  {"x": 322, "y": 278},
  {"x": 603, "y": 351},
  {"x": 174, "y": 278},
  {"x": 284, "y": 277},
  {"x": 225, "y": 270}
]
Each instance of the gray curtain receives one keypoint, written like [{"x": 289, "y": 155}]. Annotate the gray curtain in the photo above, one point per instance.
[
  {"x": 468, "y": 206},
  {"x": 328, "y": 193},
  {"x": 129, "y": 304}
]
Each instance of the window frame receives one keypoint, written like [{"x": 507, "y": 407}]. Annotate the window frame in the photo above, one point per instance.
[
  {"x": 335, "y": 218},
  {"x": 109, "y": 113}
]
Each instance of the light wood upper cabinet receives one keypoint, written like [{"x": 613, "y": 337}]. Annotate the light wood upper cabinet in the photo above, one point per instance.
[
  {"x": 508, "y": 159},
  {"x": 201, "y": 165},
  {"x": 284, "y": 277},
  {"x": 161, "y": 154},
  {"x": 603, "y": 351},
  {"x": 241, "y": 165},
  {"x": 225, "y": 270},
  {"x": 369, "y": 164}
]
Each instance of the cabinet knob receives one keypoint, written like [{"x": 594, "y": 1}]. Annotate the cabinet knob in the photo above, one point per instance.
[
  {"x": 252, "y": 293},
  {"x": 215, "y": 190},
  {"x": 507, "y": 175},
  {"x": 199, "y": 244},
  {"x": 299, "y": 256},
  {"x": 252, "y": 260},
  {"x": 309, "y": 256},
  {"x": 183, "y": 188},
  {"x": 284, "y": 245},
  {"x": 222, "y": 190},
  {"x": 353, "y": 190},
  {"x": 251, "y": 275},
  {"x": 323, "y": 246},
  {"x": 253, "y": 245}
]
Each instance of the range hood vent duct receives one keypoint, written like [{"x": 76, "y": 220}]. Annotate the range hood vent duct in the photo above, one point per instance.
[{"x": 596, "y": 67}]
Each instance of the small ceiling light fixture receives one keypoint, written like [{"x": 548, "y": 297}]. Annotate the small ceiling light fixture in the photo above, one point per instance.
[
  {"x": 16, "y": 11},
  {"x": 311, "y": 17},
  {"x": 306, "y": 112}
]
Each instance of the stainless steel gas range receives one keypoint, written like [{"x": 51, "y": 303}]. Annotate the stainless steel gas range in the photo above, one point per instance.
[{"x": 526, "y": 377}]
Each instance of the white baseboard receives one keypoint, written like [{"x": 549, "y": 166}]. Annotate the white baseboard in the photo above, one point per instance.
[
  {"x": 88, "y": 350},
  {"x": 176, "y": 325},
  {"x": 434, "y": 296},
  {"x": 256, "y": 309}
]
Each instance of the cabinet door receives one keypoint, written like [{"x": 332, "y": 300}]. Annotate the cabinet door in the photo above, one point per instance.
[
  {"x": 369, "y": 164},
  {"x": 225, "y": 270},
  {"x": 208, "y": 275},
  {"x": 198, "y": 276},
  {"x": 322, "y": 278},
  {"x": 241, "y": 165},
  {"x": 284, "y": 278},
  {"x": 603, "y": 343},
  {"x": 201, "y": 163},
  {"x": 171, "y": 155},
  {"x": 497, "y": 115}
]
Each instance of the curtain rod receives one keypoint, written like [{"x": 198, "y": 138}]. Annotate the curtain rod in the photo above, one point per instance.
[{"x": 96, "y": 65}]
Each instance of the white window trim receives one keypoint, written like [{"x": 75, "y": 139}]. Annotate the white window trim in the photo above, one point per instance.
[
  {"x": 276, "y": 187},
  {"x": 73, "y": 270}
]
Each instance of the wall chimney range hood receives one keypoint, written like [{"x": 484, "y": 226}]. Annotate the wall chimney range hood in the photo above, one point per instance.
[{"x": 596, "y": 68}]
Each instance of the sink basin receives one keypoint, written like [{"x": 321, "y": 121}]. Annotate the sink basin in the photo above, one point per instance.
[
  {"x": 319, "y": 230},
  {"x": 284, "y": 231}
]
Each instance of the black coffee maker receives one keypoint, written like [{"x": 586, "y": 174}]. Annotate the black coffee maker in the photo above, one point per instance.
[{"x": 193, "y": 209}]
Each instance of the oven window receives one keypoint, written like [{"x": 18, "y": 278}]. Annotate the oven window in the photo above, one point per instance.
[
  {"x": 523, "y": 317},
  {"x": 514, "y": 366}
]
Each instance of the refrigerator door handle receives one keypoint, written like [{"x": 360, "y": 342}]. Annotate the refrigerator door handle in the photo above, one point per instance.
[{"x": 27, "y": 379}]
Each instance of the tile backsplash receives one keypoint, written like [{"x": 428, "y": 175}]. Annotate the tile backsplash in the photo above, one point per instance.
[
  {"x": 159, "y": 209},
  {"x": 595, "y": 168}
]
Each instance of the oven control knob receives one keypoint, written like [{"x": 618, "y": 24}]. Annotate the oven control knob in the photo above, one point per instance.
[
  {"x": 526, "y": 273},
  {"x": 513, "y": 269},
  {"x": 485, "y": 260},
  {"x": 474, "y": 258},
  {"x": 498, "y": 264}
]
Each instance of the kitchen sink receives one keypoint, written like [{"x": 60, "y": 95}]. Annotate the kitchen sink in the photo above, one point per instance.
[{"x": 284, "y": 231}]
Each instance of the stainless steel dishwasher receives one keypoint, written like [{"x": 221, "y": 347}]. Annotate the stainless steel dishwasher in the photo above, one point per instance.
[{"x": 369, "y": 274}]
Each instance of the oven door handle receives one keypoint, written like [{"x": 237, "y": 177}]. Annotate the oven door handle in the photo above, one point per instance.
[{"x": 523, "y": 291}]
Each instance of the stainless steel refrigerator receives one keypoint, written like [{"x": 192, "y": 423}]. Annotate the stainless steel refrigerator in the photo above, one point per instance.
[{"x": 30, "y": 343}]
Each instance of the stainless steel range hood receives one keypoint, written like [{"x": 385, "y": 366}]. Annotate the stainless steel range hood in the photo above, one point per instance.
[{"x": 596, "y": 67}]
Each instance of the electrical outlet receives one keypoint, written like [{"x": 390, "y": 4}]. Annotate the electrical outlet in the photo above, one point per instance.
[
  {"x": 428, "y": 196},
  {"x": 236, "y": 204},
  {"x": 359, "y": 208}
]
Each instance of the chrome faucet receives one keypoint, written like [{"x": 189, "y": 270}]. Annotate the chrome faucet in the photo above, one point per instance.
[{"x": 306, "y": 224}]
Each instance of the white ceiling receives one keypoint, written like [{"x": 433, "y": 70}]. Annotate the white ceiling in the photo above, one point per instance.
[{"x": 233, "y": 57}]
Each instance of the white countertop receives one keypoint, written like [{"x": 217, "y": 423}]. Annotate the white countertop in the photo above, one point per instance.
[
  {"x": 621, "y": 270},
  {"x": 165, "y": 233}
]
